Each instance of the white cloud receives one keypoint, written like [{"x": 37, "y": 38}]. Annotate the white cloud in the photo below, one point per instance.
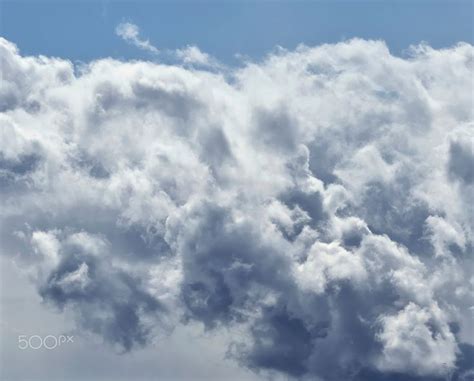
[
  {"x": 419, "y": 339},
  {"x": 131, "y": 34},
  {"x": 328, "y": 263},
  {"x": 193, "y": 55},
  {"x": 319, "y": 197},
  {"x": 189, "y": 55},
  {"x": 46, "y": 245}
]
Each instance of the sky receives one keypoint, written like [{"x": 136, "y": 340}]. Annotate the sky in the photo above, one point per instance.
[
  {"x": 84, "y": 30},
  {"x": 236, "y": 191}
]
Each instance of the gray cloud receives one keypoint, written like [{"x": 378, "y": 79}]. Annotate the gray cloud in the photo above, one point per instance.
[
  {"x": 316, "y": 205},
  {"x": 461, "y": 161}
]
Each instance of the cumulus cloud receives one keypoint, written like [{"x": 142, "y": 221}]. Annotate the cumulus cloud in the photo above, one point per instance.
[
  {"x": 317, "y": 204},
  {"x": 131, "y": 34}
]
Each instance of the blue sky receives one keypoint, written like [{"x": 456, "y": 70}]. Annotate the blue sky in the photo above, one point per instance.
[{"x": 84, "y": 30}]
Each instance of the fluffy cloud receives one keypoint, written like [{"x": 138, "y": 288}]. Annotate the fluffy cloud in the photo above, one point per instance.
[
  {"x": 417, "y": 338},
  {"x": 316, "y": 204}
]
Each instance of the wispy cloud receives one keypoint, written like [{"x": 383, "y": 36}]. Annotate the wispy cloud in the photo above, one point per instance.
[
  {"x": 131, "y": 34},
  {"x": 189, "y": 55}
]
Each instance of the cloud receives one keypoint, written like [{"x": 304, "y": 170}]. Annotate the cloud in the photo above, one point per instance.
[
  {"x": 315, "y": 205},
  {"x": 193, "y": 55},
  {"x": 418, "y": 338},
  {"x": 190, "y": 55},
  {"x": 131, "y": 33}
]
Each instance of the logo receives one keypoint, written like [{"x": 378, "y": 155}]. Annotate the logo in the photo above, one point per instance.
[{"x": 49, "y": 342}]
